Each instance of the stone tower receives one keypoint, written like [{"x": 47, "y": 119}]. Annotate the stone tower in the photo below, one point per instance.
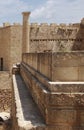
[{"x": 26, "y": 29}]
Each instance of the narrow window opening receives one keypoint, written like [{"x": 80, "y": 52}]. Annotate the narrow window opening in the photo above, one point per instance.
[{"x": 1, "y": 64}]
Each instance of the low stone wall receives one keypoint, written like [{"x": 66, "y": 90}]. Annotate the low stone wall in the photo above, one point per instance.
[
  {"x": 61, "y": 103},
  {"x": 60, "y": 66},
  {"x": 5, "y": 99},
  {"x": 25, "y": 114},
  {"x": 5, "y": 91}
]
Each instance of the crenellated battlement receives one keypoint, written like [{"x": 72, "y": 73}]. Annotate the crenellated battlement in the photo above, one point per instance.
[
  {"x": 44, "y": 25},
  {"x": 56, "y": 37},
  {"x": 16, "y": 24},
  {"x": 6, "y": 24},
  {"x": 61, "y": 25}
]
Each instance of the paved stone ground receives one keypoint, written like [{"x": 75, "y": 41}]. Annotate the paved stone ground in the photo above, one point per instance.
[{"x": 28, "y": 112}]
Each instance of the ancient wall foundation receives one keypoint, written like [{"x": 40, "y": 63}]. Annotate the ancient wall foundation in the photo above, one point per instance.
[
  {"x": 5, "y": 91},
  {"x": 61, "y": 103}
]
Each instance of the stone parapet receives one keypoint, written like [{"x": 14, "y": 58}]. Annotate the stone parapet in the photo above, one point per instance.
[
  {"x": 60, "y": 66},
  {"x": 65, "y": 87},
  {"x": 5, "y": 91},
  {"x": 60, "y": 109},
  {"x": 6, "y": 24}
]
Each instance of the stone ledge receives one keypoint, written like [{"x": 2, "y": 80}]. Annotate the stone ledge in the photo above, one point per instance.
[
  {"x": 63, "y": 87},
  {"x": 57, "y": 66},
  {"x": 57, "y": 107}
]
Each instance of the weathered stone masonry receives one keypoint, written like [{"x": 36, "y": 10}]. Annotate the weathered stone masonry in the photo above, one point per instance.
[
  {"x": 38, "y": 38},
  {"x": 60, "y": 97},
  {"x": 48, "y": 88},
  {"x": 10, "y": 45},
  {"x": 5, "y": 91},
  {"x": 54, "y": 78}
]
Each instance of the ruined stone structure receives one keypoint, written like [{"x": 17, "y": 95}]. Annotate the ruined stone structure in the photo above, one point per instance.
[{"x": 45, "y": 91}]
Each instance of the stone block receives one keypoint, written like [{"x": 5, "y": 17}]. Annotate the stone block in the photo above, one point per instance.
[
  {"x": 59, "y": 127},
  {"x": 72, "y": 87},
  {"x": 61, "y": 116},
  {"x": 81, "y": 73},
  {"x": 81, "y": 60},
  {"x": 60, "y": 66},
  {"x": 65, "y": 74},
  {"x": 81, "y": 116},
  {"x": 67, "y": 99},
  {"x": 63, "y": 59}
]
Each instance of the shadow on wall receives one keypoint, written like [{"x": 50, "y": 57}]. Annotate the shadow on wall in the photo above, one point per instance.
[{"x": 79, "y": 43}]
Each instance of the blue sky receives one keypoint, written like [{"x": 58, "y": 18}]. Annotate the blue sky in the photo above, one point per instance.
[{"x": 42, "y": 11}]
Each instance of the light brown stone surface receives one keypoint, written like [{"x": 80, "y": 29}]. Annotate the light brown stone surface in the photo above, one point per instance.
[
  {"x": 26, "y": 114},
  {"x": 5, "y": 91},
  {"x": 55, "y": 37},
  {"x": 60, "y": 103},
  {"x": 57, "y": 66},
  {"x": 38, "y": 38},
  {"x": 5, "y": 100},
  {"x": 26, "y": 31},
  {"x": 10, "y": 45},
  {"x": 62, "y": 108}
]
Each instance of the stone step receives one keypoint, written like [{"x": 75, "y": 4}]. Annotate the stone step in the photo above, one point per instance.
[{"x": 27, "y": 114}]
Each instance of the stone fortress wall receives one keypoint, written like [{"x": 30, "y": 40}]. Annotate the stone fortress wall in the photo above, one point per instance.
[
  {"x": 50, "y": 77},
  {"x": 52, "y": 37},
  {"x": 10, "y": 45},
  {"x": 5, "y": 91},
  {"x": 38, "y": 73},
  {"x": 55, "y": 37},
  {"x": 10, "y": 52},
  {"x": 42, "y": 38}
]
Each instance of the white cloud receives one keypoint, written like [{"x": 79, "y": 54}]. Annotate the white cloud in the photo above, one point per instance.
[
  {"x": 59, "y": 11},
  {"x": 11, "y": 9},
  {"x": 8, "y": 7},
  {"x": 50, "y": 11}
]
